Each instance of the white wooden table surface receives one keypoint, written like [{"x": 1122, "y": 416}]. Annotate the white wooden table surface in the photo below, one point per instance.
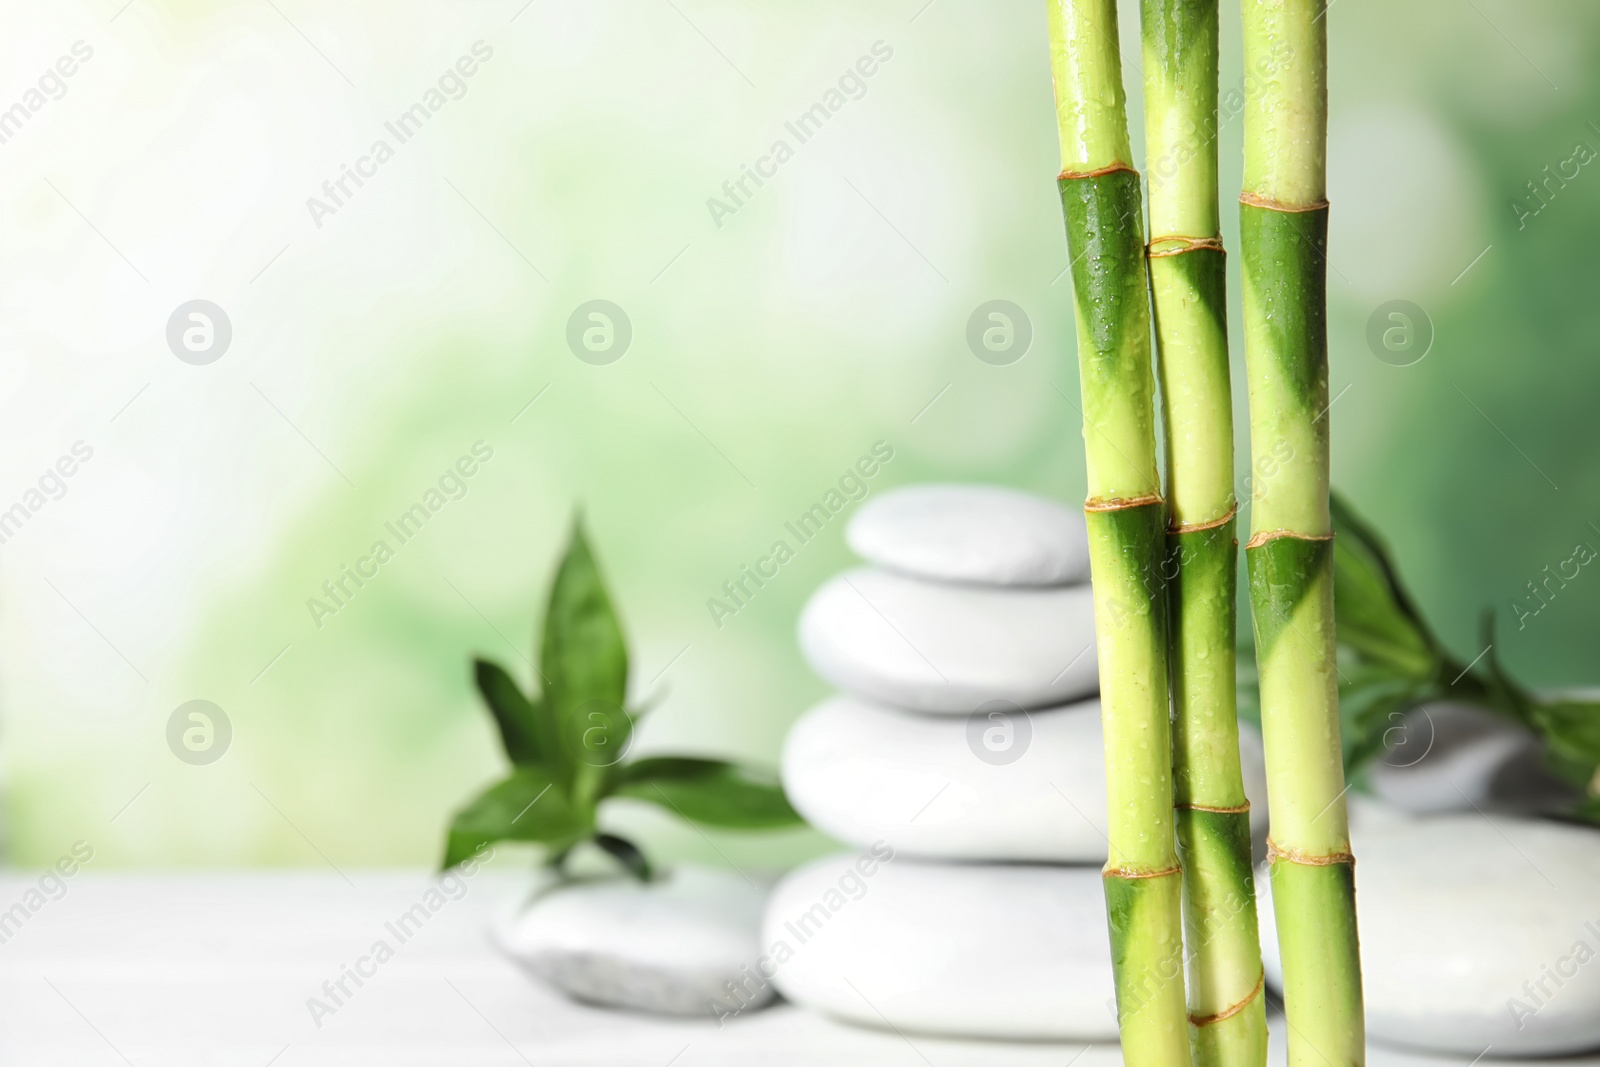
[{"x": 216, "y": 969}]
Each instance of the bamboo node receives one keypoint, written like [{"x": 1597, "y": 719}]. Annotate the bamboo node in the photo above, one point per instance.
[
  {"x": 1278, "y": 205},
  {"x": 1176, "y": 246},
  {"x": 1230, "y": 1012},
  {"x": 1212, "y": 524},
  {"x": 1259, "y": 539},
  {"x": 1134, "y": 874},
  {"x": 1306, "y": 859},
  {"x": 1240, "y": 810},
  {"x": 1100, "y": 172},
  {"x": 1121, "y": 503}
]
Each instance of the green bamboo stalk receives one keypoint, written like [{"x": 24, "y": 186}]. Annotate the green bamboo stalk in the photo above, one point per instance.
[
  {"x": 1126, "y": 516},
  {"x": 1283, "y": 227},
  {"x": 1227, "y": 1008}
]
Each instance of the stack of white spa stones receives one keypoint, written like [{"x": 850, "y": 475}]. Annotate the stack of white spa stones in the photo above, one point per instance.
[
  {"x": 964, "y": 765},
  {"x": 964, "y": 760}
]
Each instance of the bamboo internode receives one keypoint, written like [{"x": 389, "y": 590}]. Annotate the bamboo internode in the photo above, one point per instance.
[
  {"x": 1126, "y": 516},
  {"x": 1188, "y": 292},
  {"x": 1283, "y": 223}
]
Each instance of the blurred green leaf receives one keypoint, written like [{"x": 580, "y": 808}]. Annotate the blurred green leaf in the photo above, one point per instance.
[
  {"x": 584, "y": 662},
  {"x": 1373, "y": 703},
  {"x": 711, "y": 792},
  {"x": 1500, "y": 693},
  {"x": 525, "y": 730},
  {"x": 527, "y": 806},
  {"x": 1587, "y": 810},
  {"x": 1572, "y": 730},
  {"x": 1390, "y": 662},
  {"x": 568, "y": 747},
  {"x": 460, "y": 847},
  {"x": 627, "y": 854},
  {"x": 1374, "y": 614}
]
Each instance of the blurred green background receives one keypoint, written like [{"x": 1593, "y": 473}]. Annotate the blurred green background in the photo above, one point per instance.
[{"x": 770, "y": 347}]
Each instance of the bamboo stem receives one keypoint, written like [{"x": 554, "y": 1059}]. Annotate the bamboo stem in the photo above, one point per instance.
[
  {"x": 1227, "y": 1009},
  {"x": 1126, "y": 516},
  {"x": 1283, "y": 228}
]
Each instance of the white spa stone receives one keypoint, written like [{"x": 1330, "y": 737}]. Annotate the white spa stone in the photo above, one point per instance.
[
  {"x": 671, "y": 946},
  {"x": 1455, "y": 757},
  {"x": 972, "y": 533},
  {"x": 1018, "y": 786},
  {"x": 1475, "y": 934},
  {"x": 946, "y": 648},
  {"x": 1017, "y": 952}
]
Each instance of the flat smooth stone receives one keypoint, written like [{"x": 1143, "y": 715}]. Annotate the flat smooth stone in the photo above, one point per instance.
[
  {"x": 1475, "y": 934},
  {"x": 950, "y": 648},
  {"x": 671, "y": 947},
  {"x": 1455, "y": 757},
  {"x": 972, "y": 533},
  {"x": 1381, "y": 1056},
  {"x": 963, "y": 950},
  {"x": 1019, "y": 787}
]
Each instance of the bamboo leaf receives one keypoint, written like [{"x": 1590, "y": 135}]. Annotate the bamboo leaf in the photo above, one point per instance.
[
  {"x": 1587, "y": 812},
  {"x": 526, "y": 806},
  {"x": 525, "y": 731},
  {"x": 1375, "y": 615},
  {"x": 626, "y": 853},
  {"x": 1501, "y": 691},
  {"x": 584, "y": 661},
  {"x": 1373, "y": 703},
  {"x": 460, "y": 847},
  {"x": 710, "y": 792},
  {"x": 1571, "y": 729}
]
